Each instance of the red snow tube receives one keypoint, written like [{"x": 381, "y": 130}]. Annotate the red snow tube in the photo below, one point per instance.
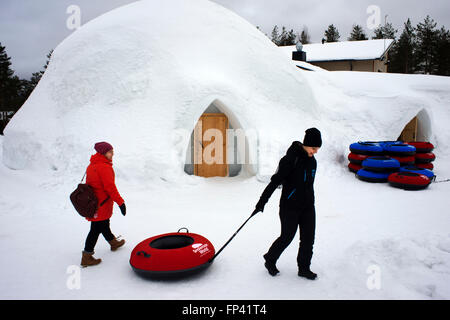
[
  {"x": 404, "y": 161},
  {"x": 422, "y": 147},
  {"x": 428, "y": 166},
  {"x": 425, "y": 157},
  {"x": 354, "y": 167},
  {"x": 357, "y": 158},
  {"x": 409, "y": 181},
  {"x": 172, "y": 255}
]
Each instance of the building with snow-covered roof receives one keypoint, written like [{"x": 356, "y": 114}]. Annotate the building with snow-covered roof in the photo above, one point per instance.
[{"x": 364, "y": 55}]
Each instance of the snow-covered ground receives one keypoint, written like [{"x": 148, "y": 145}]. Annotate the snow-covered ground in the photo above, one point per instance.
[
  {"x": 361, "y": 227},
  {"x": 145, "y": 91}
]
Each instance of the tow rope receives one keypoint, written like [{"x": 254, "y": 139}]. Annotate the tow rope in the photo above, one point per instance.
[{"x": 442, "y": 181}]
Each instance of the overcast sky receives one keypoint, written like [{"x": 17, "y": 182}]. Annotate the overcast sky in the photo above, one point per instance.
[{"x": 30, "y": 29}]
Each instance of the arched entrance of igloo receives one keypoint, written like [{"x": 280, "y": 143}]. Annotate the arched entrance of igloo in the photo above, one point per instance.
[
  {"x": 418, "y": 129},
  {"x": 218, "y": 146}
]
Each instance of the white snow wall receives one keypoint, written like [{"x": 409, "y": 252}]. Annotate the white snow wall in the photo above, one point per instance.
[{"x": 141, "y": 75}]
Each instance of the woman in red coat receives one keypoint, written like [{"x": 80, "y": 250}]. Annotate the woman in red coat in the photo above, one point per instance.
[{"x": 100, "y": 176}]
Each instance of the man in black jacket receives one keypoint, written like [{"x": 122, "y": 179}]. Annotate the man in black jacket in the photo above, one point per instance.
[{"x": 296, "y": 172}]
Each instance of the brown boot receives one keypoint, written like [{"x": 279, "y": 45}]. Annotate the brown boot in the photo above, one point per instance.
[
  {"x": 88, "y": 259},
  {"x": 116, "y": 243}
]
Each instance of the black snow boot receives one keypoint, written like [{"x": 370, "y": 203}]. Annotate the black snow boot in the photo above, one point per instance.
[
  {"x": 307, "y": 273},
  {"x": 271, "y": 267}
]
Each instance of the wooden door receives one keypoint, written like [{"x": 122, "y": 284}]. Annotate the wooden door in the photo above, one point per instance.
[
  {"x": 409, "y": 134},
  {"x": 210, "y": 146}
]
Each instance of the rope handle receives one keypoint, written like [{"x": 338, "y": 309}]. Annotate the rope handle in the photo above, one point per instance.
[
  {"x": 187, "y": 231},
  {"x": 442, "y": 181}
]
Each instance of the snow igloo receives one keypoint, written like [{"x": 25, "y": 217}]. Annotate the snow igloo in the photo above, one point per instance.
[{"x": 142, "y": 77}]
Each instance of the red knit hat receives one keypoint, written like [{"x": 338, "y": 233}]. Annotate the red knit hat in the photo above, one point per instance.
[{"x": 102, "y": 147}]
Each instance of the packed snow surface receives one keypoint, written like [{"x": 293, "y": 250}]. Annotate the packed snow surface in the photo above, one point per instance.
[
  {"x": 372, "y": 241},
  {"x": 361, "y": 228}
]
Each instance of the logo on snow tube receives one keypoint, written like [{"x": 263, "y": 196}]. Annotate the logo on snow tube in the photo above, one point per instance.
[{"x": 200, "y": 248}]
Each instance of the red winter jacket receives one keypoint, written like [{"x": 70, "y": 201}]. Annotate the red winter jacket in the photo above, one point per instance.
[{"x": 100, "y": 176}]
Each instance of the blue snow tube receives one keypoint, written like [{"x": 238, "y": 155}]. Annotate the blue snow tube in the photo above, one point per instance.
[
  {"x": 381, "y": 164},
  {"x": 399, "y": 149},
  {"x": 385, "y": 143},
  {"x": 370, "y": 176},
  {"x": 428, "y": 173},
  {"x": 391, "y": 142},
  {"x": 367, "y": 148}
]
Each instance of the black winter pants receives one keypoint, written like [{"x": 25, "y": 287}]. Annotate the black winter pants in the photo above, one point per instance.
[
  {"x": 97, "y": 227},
  {"x": 291, "y": 219}
]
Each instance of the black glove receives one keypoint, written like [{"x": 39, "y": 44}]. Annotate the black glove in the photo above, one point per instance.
[
  {"x": 259, "y": 207},
  {"x": 123, "y": 209}
]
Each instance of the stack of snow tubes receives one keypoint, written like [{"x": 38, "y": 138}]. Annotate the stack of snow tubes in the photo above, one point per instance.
[
  {"x": 392, "y": 161},
  {"x": 360, "y": 151},
  {"x": 404, "y": 153},
  {"x": 424, "y": 155}
]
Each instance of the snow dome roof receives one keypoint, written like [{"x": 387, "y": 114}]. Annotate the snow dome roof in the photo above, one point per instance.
[{"x": 141, "y": 75}]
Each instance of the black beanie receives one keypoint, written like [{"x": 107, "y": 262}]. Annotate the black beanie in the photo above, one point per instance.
[{"x": 313, "y": 138}]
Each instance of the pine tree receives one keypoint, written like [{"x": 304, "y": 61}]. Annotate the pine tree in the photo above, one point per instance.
[
  {"x": 7, "y": 85},
  {"x": 5, "y": 64},
  {"x": 305, "y": 38},
  {"x": 275, "y": 35},
  {"x": 292, "y": 37},
  {"x": 357, "y": 34},
  {"x": 443, "y": 53},
  {"x": 386, "y": 31},
  {"x": 332, "y": 34},
  {"x": 402, "y": 54},
  {"x": 287, "y": 38},
  {"x": 283, "y": 36},
  {"x": 426, "y": 52}
]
